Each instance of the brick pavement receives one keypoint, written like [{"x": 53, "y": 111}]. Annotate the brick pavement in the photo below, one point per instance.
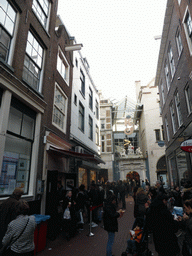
[{"x": 84, "y": 245}]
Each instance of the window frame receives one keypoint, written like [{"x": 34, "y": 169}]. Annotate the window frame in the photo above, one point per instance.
[
  {"x": 97, "y": 109},
  {"x": 82, "y": 79},
  {"x": 62, "y": 63},
  {"x": 62, "y": 111},
  {"x": 173, "y": 117},
  {"x": 46, "y": 15},
  {"x": 178, "y": 108},
  {"x": 81, "y": 117},
  {"x": 35, "y": 65},
  {"x": 167, "y": 76},
  {"x": 157, "y": 135},
  {"x": 188, "y": 97},
  {"x": 167, "y": 129},
  {"x": 171, "y": 61},
  {"x": 10, "y": 34},
  {"x": 188, "y": 28},
  {"x": 90, "y": 128},
  {"x": 178, "y": 42},
  {"x": 90, "y": 98}
]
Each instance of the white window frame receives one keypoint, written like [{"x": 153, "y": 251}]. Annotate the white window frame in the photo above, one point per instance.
[
  {"x": 97, "y": 135},
  {"x": 63, "y": 66},
  {"x": 36, "y": 60},
  {"x": 11, "y": 34},
  {"x": 178, "y": 108},
  {"x": 171, "y": 61},
  {"x": 82, "y": 79},
  {"x": 167, "y": 77},
  {"x": 90, "y": 98},
  {"x": 38, "y": 5},
  {"x": 173, "y": 117},
  {"x": 167, "y": 128},
  {"x": 59, "y": 108},
  {"x": 178, "y": 42},
  {"x": 162, "y": 93},
  {"x": 188, "y": 95},
  {"x": 188, "y": 28},
  {"x": 97, "y": 109}
]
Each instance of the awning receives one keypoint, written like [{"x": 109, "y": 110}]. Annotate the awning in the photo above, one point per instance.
[{"x": 68, "y": 153}]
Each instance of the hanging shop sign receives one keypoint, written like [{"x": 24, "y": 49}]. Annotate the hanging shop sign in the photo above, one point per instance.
[{"x": 187, "y": 146}]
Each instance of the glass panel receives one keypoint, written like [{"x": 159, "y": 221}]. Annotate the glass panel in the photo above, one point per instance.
[
  {"x": 182, "y": 167},
  {"x": 28, "y": 127},
  {"x": 2, "y": 16},
  {"x": 83, "y": 177},
  {"x": 3, "y": 53},
  {"x": 11, "y": 13},
  {"x": 16, "y": 165},
  {"x": 4, "y": 4},
  {"x": 15, "y": 118}
]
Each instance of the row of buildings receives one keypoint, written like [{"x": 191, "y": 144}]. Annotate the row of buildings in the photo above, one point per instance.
[
  {"x": 174, "y": 79},
  {"x": 49, "y": 105}
]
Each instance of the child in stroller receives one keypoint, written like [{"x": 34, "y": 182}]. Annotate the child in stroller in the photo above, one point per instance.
[
  {"x": 135, "y": 237},
  {"x": 137, "y": 245}
]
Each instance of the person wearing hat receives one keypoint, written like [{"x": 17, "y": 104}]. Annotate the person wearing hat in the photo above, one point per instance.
[{"x": 8, "y": 211}]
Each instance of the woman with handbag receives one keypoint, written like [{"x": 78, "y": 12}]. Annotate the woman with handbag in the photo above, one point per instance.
[{"x": 19, "y": 237}]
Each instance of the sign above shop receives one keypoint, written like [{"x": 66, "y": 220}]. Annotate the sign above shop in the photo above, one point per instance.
[{"x": 187, "y": 146}]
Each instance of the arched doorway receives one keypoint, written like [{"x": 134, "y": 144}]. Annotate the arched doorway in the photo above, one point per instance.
[{"x": 133, "y": 176}]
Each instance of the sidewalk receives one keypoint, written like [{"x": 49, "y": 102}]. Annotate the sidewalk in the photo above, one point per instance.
[{"x": 84, "y": 245}]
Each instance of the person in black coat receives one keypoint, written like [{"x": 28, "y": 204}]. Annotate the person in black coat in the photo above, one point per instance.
[
  {"x": 160, "y": 221},
  {"x": 110, "y": 217}
]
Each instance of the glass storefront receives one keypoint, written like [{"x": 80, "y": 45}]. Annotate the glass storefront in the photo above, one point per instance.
[
  {"x": 182, "y": 167},
  {"x": 82, "y": 177},
  {"x": 15, "y": 170},
  {"x": 93, "y": 176},
  {"x": 173, "y": 171}
]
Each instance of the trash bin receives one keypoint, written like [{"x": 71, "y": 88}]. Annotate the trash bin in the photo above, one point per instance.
[{"x": 40, "y": 232}]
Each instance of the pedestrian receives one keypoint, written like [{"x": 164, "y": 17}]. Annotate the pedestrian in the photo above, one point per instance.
[
  {"x": 20, "y": 233},
  {"x": 186, "y": 222},
  {"x": 110, "y": 217},
  {"x": 8, "y": 211},
  {"x": 160, "y": 221},
  {"x": 177, "y": 197},
  {"x": 141, "y": 199},
  {"x": 159, "y": 188},
  {"x": 69, "y": 222}
]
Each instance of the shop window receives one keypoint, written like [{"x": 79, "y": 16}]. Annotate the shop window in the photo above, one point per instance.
[
  {"x": 15, "y": 170},
  {"x": 182, "y": 167}
]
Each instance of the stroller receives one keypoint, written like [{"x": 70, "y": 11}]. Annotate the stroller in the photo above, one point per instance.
[{"x": 142, "y": 245}]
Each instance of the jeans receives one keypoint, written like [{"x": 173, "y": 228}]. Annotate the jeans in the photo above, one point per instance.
[
  {"x": 111, "y": 238},
  {"x": 131, "y": 246}
]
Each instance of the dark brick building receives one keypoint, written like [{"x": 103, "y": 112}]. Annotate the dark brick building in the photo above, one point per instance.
[{"x": 173, "y": 77}]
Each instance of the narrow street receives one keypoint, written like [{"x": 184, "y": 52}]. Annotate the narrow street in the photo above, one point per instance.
[{"x": 84, "y": 245}]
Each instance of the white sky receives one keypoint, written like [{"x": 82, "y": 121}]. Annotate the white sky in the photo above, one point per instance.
[{"x": 118, "y": 40}]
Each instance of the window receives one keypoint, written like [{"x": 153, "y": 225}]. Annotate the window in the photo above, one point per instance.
[
  {"x": 97, "y": 109},
  {"x": 188, "y": 94},
  {"x": 90, "y": 98},
  {"x": 167, "y": 128},
  {"x": 179, "y": 1},
  {"x": 167, "y": 76},
  {"x": 188, "y": 29},
  {"x": 162, "y": 94},
  {"x": 178, "y": 108},
  {"x": 33, "y": 62},
  {"x": 7, "y": 25},
  {"x": 171, "y": 61},
  {"x": 90, "y": 128},
  {"x": 173, "y": 118},
  {"x": 178, "y": 42},
  {"x": 162, "y": 128},
  {"x": 63, "y": 66},
  {"x": 81, "y": 117},
  {"x": 41, "y": 9},
  {"x": 97, "y": 135},
  {"x": 102, "y": 123},
  {"x": 82, "y": 78},
  {"x": 108, "y": 142},
  {"x": 102, "y": 143},
  {"x": 157, "y": 135},
  {"x": 75, "y": 99},
  {"x": 15, "y": 170},
  {"x": 60, "y": 109}
]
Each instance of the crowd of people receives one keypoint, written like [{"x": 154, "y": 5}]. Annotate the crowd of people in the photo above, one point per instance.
[{"x": 154, "y": 208}]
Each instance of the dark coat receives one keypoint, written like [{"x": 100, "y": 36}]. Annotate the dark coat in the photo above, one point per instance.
[
  {"x": 160, "y": 221},
  {"x": 139, "y": 208},
  {"x": 8, "y": 212},
  {"x": 110, "y": 216}
]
